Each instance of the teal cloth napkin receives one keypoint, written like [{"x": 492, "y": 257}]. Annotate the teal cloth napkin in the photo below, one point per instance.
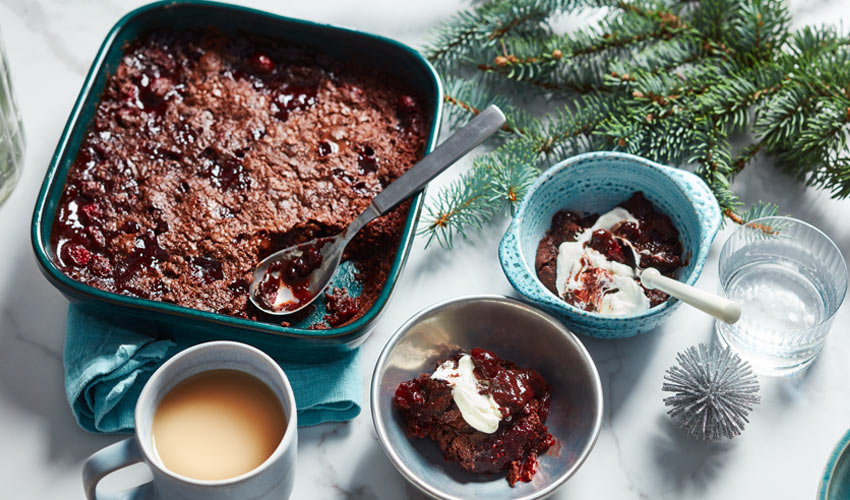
[{"x": 107, "y": 364}]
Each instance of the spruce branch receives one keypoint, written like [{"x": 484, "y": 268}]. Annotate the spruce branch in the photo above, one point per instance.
[
  {"x": 757, "y": 210},
  {"x": 486, "y": 24},
  {"x": 463, "y": 205},
  {"x": 746, "y": 155},
  {"x": 670, "y": 80},
  {"x": 465, "y": 98},
  {"x": 495, "y": 184}
]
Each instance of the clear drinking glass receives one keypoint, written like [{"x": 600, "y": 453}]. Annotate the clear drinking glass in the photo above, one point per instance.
[
  {"x": 790, "y": 280},
  {"x": 11, "y": 131}
]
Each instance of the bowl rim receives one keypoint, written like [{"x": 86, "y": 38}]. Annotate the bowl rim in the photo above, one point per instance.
[
  {"x": 676, "y": 177},
  {"x": 68, "y": 285},
  {"x": 842, "y": 447},
  {"x": 380, "y": 368}
]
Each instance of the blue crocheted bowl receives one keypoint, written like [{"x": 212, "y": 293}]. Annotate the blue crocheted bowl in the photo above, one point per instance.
[{"x": 597, "y": 182}]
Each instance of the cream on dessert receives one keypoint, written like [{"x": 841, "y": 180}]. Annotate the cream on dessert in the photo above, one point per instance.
[
  {"x": 429, "y": 407},
  {"x": 480, "y": 411},
  {"x": 578, "y": 263},
  {"x": 593, "y": 262}
]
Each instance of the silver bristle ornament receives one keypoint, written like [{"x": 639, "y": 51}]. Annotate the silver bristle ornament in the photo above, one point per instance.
[{"x": 714, "y": 390}]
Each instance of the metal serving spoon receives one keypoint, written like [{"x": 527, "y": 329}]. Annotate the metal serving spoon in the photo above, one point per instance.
[{"x": 285, "y": 288}]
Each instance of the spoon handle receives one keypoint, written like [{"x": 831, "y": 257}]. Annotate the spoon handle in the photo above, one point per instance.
[
  {"x": 452, "y": 149},
  {"x": 719, "y": 307}
]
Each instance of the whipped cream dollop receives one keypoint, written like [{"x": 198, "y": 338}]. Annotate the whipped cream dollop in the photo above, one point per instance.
[
  {"x": 480, "y": 411},
  {"x": 621, "y": 293}
]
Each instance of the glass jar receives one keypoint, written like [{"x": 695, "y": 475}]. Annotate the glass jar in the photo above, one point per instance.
[{"x": 11, "y": 131}]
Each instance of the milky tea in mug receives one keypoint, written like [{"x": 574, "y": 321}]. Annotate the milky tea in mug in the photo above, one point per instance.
[
  {"x": 217, "y": 421},
  {"x": 217, "y": 424}
]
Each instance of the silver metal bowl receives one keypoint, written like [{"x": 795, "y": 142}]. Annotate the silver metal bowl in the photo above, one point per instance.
[{"x": 512, "y": 330}]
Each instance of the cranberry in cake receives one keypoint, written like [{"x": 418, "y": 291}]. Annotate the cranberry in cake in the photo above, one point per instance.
[
  {"x": 207, "y": 152},
  {"x": 591, "y": 261},
  {"x": 485, "y": 413}
]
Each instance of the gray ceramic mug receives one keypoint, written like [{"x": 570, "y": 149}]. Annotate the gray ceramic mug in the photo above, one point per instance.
[{"x": 272, "y": 479}]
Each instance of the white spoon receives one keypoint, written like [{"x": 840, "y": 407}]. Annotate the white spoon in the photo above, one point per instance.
[{"x": 720, "y": 307}]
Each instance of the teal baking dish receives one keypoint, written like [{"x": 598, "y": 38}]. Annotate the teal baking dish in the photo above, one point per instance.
[{"x": 190, "y": 325}]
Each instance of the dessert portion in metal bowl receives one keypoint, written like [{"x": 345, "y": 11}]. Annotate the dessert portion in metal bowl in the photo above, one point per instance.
[
  {"x": 485, "y": 413},
  {"x": 209, "y": 151},
  {"x": 593, "y": 261}
]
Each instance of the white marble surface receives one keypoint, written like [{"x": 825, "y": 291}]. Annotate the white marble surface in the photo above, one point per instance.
[{"x": 638, "y": 456}]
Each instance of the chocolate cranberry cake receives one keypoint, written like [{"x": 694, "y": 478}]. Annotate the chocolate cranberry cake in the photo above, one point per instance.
[
  {"x": 208, "y": 151},
  {"x": 512, "y": 430},
  {"x": 591, "y": 261}
]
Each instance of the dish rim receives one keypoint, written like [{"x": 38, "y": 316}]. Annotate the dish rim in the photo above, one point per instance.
[
  {"x": 64, "y": 283},
  {"x": 842, "y": 447}
]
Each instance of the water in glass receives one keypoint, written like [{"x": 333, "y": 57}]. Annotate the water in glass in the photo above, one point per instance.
[{"x": 789, "y": 286}]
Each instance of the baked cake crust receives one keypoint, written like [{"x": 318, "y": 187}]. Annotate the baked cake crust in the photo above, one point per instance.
[{"x": 208, "y": 152}]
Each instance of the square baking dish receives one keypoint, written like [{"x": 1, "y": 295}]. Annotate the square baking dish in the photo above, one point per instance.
[{"x": 164, "y": 320}]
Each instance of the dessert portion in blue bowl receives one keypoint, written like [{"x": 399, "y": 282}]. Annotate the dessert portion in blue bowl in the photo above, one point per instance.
[
  {"x": 682, "y": 210},
  {"x": 592, "y": 261}
]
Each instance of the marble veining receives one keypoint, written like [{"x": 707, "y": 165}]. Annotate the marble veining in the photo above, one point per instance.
[{"x": 639, "y": 455}]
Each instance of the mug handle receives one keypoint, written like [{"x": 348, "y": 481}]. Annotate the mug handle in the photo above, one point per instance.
[{"x": 113, "y": 457}]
